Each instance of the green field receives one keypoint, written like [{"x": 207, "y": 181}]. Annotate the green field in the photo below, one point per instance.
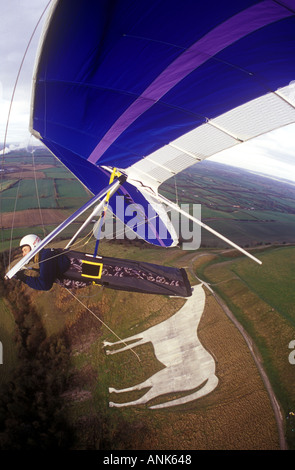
[
  {"x": 7, "y": 329},
  {"x": 53, "y": 193},
  {"x": 249, "y": 209}
]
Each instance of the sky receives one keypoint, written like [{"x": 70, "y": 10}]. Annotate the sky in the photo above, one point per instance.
[{"x": 272, "y": 153}]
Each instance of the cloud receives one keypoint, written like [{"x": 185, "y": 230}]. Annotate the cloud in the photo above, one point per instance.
[
  {"x": 18, "y": 119},
  {"x": 25, "y": 145},
  {"x": 272, "y": 154},
  {"x": 19, "y": 19},
  {"x": 12, "y": 147}
]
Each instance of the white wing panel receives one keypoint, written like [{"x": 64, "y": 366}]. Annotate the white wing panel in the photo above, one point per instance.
[
  {"x": 205, "y": 141},
  {"x": 257, "y": 117}
]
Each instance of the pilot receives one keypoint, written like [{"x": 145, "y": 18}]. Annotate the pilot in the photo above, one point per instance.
[{"x": 52, "y": 264}]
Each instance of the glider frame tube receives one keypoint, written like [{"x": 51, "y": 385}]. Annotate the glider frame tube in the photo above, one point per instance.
[
  {"x": 113, "y": 187},
  {"x": 206, "y": 227}
]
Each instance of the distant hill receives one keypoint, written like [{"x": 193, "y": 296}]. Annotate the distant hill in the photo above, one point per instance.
[{"x": 249, "y": 208}]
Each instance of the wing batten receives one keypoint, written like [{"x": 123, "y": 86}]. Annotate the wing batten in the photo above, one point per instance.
[{"x": 123, "y": 87}]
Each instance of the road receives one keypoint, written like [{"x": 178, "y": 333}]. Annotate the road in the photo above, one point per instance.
[{"x": 255, "y": 354}]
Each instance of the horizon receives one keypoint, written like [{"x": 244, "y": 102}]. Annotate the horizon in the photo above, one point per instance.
[{"x": 251, "y": 156}]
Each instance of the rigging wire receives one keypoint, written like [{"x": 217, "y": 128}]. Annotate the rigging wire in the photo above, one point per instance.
[
  {"x": 13, "y": 217},
  {"x": 11, "y": 103},
  {"x": 79, "y": 244},
  {"x": 85, "y": 306},
  {"x": 15, "y": 204},
  {"x": 88, "y": 309},
  {"x": 37, "y": 194},
  {"x": 103, "y": 323},
  {"x": 101, "y": 220}
]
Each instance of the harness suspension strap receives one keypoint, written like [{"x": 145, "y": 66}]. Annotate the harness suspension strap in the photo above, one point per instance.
[
  {"x": 103, "y": 214},
  {"x": 61, "y": 227}
]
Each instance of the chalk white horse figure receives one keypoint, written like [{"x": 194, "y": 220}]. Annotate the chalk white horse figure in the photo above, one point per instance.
[{"x": 189, "y": 367}]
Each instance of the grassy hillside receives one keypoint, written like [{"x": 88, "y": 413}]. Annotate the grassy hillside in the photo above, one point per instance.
[
  {"x": 236, "y": 415},
  {"x": 262, "y": 298}
]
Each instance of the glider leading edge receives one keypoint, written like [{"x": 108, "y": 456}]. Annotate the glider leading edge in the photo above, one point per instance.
[{"x": 127, "y": 86}]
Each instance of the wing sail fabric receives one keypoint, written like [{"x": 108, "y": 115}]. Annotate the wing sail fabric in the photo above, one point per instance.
[{"x": 153, "y": 87}]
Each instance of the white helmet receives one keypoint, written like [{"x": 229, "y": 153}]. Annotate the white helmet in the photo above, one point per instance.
[{"x": 31, "y": 240}]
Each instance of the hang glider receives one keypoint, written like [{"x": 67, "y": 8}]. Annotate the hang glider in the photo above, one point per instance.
[{"x": 155, "y": 86}]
